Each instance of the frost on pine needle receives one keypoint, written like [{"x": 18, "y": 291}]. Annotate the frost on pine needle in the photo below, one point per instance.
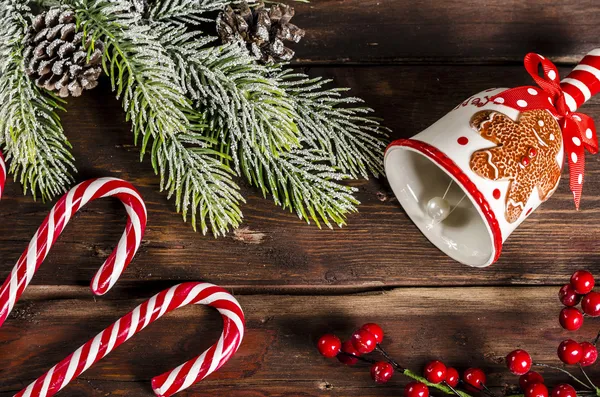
[{"x": 186, "y": 11}]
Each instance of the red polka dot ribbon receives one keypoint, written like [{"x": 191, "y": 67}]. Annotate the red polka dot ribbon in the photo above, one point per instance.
[{"x": 562, "y": 100}]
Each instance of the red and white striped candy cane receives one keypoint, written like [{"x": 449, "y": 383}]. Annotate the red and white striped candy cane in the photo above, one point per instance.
[
  {"x": 57, "y": 220},
  {"x": 583, "y": 82},
  {"x": 170, "y": 382},
  {"x": 2, "y": 174}
]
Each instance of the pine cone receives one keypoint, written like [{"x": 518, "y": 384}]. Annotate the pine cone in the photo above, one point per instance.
[
  {"x": 56, "y": 57},
  {"x": 262, "y": 29}
]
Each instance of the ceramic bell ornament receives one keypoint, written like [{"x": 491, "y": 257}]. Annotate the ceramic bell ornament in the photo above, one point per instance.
[{"x": 471, "y": 178}]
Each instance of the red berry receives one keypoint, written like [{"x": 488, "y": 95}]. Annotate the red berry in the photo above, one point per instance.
[
  {"x": 435, "y": 371},
  {"x": 564, "y": 390},
  {"x": 452, "y": 377},
  {"x": 349, "y": 349},
  {"x": 536, "y": 390},
  {"x": 582, "y": 281},
  {"x": 570, "y": 318},
  {"x": 416, "y": 389},
  {"x": 590, "y": 354},
  {"x": 530, "y": 378},
  {"x": 570, "y": 352},
  {"x": 375, "y": 330},
  {"x": 364, "y": 341},
  {"x": 568, "y": 296},
  {"x": 382, "y": 372},
  {"x": 518, "y": 362},
  {"x": 474, "y": 379},
  {"x": 329, "y": 345},
  {"x": 591, "y": 304}
]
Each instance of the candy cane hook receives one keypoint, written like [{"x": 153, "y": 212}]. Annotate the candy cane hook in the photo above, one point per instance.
[
  {"x": 57, "y": 220},
  {"x": 170, "y": 382},
  {"x": 2, "y": 174}
]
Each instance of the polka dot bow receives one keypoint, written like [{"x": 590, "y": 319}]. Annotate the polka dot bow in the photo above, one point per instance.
[{"x": 562, "y": 100}]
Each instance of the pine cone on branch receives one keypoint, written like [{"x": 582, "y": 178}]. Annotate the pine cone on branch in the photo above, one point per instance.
[
  {"x": 264, "y": 30},
  {"x": 56, "y": 57}
]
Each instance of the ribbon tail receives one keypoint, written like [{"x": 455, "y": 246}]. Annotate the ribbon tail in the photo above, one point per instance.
[
  {"x": 587, "y": 131},
  {"x": 576, "y": 158}
]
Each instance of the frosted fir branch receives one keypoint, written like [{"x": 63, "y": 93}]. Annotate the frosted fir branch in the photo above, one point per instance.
[
  {"x": 145, "y": 77},
  {"x": 303, "y": 182},
  {"x": 337, "y": 124},
  {"x": 186, "y": 11},
  {"x": 237, "y": 95},
  {"x": 200, "y": 182},
  {"x": 243, "y": 103},
  {"x": 140, "y": 71},
  {"x": 192, "y": 11},
  {"x": 30, "y": 128}
]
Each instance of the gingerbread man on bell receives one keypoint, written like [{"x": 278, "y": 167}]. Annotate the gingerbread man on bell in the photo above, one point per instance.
[{"x": 525, "y": 154}]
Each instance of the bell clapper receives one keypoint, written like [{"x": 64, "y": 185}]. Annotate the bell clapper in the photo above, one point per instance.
[{"x": 439, "y": 209}]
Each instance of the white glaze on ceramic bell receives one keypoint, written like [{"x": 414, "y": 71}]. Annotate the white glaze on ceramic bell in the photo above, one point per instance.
[
  {"x": 420, "y": 169},
  {"x": 502, "y": 150}
]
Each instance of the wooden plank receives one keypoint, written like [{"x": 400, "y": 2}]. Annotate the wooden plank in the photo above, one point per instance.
[
  {"x": 461, "y": 326},
  {"x": 460, "y": 31},
  {"x": 380, "y": 248}
]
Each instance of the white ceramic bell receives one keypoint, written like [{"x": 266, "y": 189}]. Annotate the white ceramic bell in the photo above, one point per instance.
[{"x": 470, "y": 179}]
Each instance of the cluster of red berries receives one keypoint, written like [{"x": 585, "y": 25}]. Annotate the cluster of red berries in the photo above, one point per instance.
[
  {"x": 368, "y": 338},
  {"x": 437, "y": 375},
  {"x": 473, "y": 379},
  {"x": 571, "y": 353},
  {"x": 531, "y": 382},
  {"x": 363, "y": 341},
  {"x": 578, "y": 290}
]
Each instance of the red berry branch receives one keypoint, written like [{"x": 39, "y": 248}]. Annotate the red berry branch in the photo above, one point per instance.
[{"x": 367, "y": 340}]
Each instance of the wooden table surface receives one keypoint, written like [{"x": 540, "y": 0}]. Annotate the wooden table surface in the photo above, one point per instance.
[{"x": 412, "y": 62}]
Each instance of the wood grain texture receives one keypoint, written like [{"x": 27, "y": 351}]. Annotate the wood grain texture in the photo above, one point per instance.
[
  {"x": 412, "y": 62},
  {"x": 462, "y": 326},
  {"x": 277, "y": 252},
  {"x": 432, "y": 31}
]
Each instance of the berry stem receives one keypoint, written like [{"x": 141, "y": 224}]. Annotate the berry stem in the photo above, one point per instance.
[
  {"x": 438, "y": 386},
  {"x": 566, "y": 372},
  {"x": 444, "y": 387},
  {"x": 360, "y": 358},
  {"x": 389, "y": 358},
  {"x": 487, "y": 391},
  {"x": 587, "y": 377},
  {"x": 451, "y": 388},
  {"x": 597, "y": 338}
]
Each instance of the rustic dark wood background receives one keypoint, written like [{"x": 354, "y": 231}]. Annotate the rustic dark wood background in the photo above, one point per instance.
[{"x": 412, "y": 62}]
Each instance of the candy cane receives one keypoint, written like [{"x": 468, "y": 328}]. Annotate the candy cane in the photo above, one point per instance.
[
  {"x": 170, "y": 382},
  {"x": 54, "y": 224},
  {"x": 2, "y": 174}
]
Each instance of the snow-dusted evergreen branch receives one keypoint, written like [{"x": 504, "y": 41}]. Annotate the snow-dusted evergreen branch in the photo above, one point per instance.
[
  {"x": 302, "y": 180},
  {"x": 336, "y": 125},
  {"x": 186, "y": 11},
  {"x": 204, "y": 112},
  {"x": 30, "y": 130},
  {"x": 254, "y": 114},
  {"x": 144, "y": 77}
]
